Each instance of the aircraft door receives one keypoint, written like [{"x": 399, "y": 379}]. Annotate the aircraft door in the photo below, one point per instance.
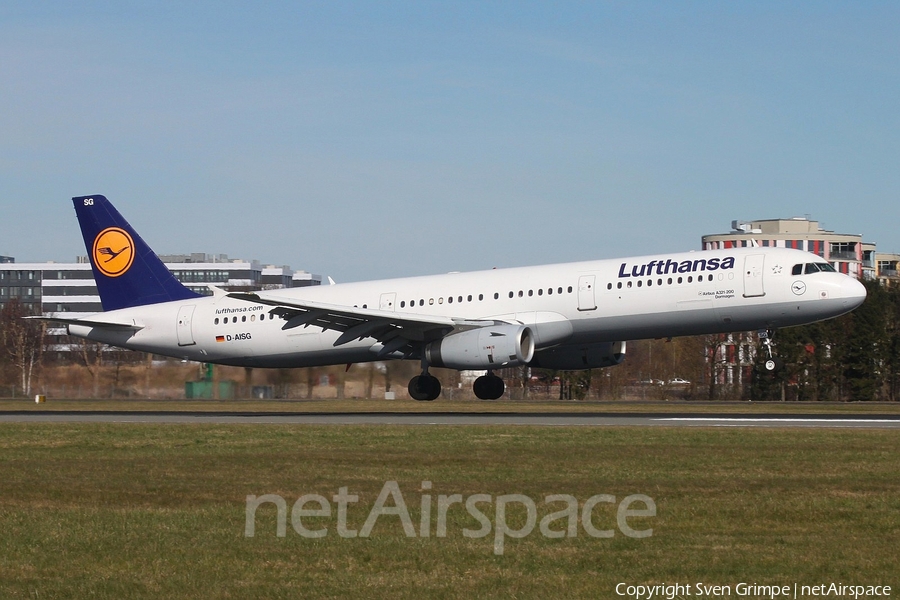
[
  {"x": 586, "y": 300},
  {"x": 185, "y": 332},
  {"x": 388, "y": 301},
  {"x": 753, "y": 275}
]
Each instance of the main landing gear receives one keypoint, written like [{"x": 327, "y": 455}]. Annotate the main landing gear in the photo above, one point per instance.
[
  {"x": 488, "y": 387},
  {"x": 772, "y": 363},
  {"x": 426, "y": 387}
]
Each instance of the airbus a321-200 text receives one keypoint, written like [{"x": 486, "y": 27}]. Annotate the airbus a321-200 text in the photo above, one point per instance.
[{"x": 565, "y": 316}]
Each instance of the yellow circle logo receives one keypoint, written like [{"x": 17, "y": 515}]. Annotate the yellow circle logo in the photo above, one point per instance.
[{"x": 113, "y": 251}]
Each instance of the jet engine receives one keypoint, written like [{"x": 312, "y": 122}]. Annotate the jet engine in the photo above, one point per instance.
[
  {"x": 493, "y": 347},
  {"x": 580, "y": 356}
]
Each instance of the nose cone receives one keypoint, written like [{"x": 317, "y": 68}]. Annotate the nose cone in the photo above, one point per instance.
[{"x": 853, "y": 291}]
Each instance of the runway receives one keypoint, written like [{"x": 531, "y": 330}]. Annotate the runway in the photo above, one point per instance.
[{"x": 885, "y": 421}]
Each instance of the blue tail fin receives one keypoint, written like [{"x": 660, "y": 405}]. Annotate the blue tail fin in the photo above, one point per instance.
[{"x": 128, "y": 273}]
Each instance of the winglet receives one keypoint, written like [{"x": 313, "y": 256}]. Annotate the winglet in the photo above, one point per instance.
[{"x": 128, "y": 273}]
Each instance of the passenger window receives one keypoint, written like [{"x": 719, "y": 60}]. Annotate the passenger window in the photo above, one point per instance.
[
  {"x": 480, "y": 297},
  {"x": 403, "y": 304},
  {"x": 609, "y": 286},
  {"x": 449, "y": 299},
  {"x": 216, "y": 321},
  {"x": 559, "y": 291},
  {"x": 797, "y": 270},
  {"x": 496, "y": 296},
  {"x": 619, "y": 285},
  {"x": 640, "y": 283},
  {"x": 252, "y": 318},
  {"x": 511, "y": 294}
]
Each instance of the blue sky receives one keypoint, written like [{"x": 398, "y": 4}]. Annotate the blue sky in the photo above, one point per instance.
[{"x": 364, "y": 140}]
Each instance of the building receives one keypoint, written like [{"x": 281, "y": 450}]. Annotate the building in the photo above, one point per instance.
[
  {"x": 56, "y": 288},
  {"x": 886, "y": 269},
  {"x": 847, "y": 252},
  {"x": 69, "y": 287},
  {"x": 198, "y": 271}
]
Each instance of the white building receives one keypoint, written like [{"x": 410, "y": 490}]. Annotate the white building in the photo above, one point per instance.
[{"x": 53, "y": 288}]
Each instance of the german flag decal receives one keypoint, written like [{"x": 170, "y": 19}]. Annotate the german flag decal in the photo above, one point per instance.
[{"x": 220, "y": 338}]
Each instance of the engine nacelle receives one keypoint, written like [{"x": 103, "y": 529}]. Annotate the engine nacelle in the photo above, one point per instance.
[
  {"x": 581, "y": 356},
  {"x": 494, "y": 347}
]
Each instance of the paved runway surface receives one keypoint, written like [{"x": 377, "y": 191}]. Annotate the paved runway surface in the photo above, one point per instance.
[{"x": 385, "y": 418}]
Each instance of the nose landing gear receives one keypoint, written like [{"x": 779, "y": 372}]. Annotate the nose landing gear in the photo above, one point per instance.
[{"x": 772, "y": 363}]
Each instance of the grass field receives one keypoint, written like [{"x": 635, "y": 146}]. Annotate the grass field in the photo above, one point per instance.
[
  {"x": 453, "y": 406},
  {"x": 158, "y": 511}
]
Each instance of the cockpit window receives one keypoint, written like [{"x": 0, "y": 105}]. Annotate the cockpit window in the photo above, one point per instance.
[
  {"x": 816, "y": 267},
  {"x": 797, "y": 270}
]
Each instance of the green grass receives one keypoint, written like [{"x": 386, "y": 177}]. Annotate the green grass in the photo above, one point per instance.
[{"x": 150, "y": 511}]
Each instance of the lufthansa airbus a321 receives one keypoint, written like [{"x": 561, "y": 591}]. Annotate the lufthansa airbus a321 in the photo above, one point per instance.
[{"x": 566, "y": 316}]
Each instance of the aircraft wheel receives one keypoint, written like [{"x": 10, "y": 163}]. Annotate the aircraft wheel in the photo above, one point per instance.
[
  {"x": 424, "y": 387},
  {"x": 774, "y": 364},
  {"x": 488, "y": 387}
]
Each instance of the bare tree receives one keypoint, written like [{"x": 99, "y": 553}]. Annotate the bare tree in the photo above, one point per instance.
[
  {"x": 91, "y": 354},
  {"x": 22, "y": 341},
  {"x": 716, "y": 360},
  {"x": 370, "y": 380}
]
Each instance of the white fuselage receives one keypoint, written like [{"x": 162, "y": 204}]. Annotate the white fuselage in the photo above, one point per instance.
[{"x": 574, "y": 303}]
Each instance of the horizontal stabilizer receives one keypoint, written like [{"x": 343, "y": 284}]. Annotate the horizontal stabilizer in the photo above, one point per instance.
[{"x": 90, "y": 323}]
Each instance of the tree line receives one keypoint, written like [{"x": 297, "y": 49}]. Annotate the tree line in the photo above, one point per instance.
[{"x": 854, "y": 357}]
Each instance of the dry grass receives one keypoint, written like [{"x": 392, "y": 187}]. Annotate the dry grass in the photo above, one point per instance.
[
  {"x": 134, "y": 511},
  {"x": 451, "y": 406}
]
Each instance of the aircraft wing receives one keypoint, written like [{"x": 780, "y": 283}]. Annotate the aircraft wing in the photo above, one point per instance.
[{"x": 393, "y": 330}]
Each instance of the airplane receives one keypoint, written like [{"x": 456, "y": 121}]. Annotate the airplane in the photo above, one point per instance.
[{"x": 570, "y": 316}]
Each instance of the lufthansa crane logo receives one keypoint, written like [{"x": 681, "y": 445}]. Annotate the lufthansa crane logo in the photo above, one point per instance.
[{"x": 113, "y": 251}]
